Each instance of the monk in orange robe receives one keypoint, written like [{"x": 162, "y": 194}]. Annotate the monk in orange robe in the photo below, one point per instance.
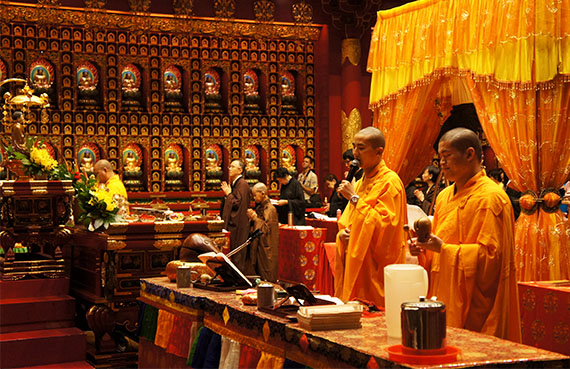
[
  {"x": 470, "y": 255},
  {"x": 371, "y": 232}
]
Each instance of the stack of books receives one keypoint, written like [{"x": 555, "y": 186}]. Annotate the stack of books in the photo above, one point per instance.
[{"x": 326, "y": 317}]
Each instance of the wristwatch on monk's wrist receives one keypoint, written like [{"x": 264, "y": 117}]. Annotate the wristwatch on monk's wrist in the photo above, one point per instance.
[{"x": 354, "y": 199}]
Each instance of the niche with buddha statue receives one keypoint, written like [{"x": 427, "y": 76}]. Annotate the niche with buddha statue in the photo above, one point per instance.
[
  {"x": 87, "y": 81},
  {"x": 174, "y": 168},
  {"x": 289, "y": 159},
  {"x": 287, "y": 90},
  {"x": 172, "y": 85},
  {"x": 133, "y": 168},
  {"x": 252, "y": 159},
  {"x": 213, "y": 91},
  {"x": 42, "y": 79},
  {"x": 87, "y": 155},
  {"x": 251, "y": 92},
  {"x": 214, "y": 172},
  {"x": 131, "y": 88}
]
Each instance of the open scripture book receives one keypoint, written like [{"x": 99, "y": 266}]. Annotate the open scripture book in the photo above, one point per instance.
[{"x": 220, "y": 264}]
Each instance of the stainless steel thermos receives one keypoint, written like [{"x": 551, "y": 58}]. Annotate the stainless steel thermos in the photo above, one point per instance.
[{"x": 423, "y": 324}]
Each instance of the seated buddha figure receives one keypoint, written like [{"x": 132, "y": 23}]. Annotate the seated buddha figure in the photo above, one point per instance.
[
  {"x": 287, "y": 162},
  {"x": 212, "y": 162},
  {"x": 86, "y": 164},
  {"x": 131, "y": 163},
  {"x": 40, "y": 80},
  {"x": 250, "y": 162},
  {"x": 172, "y": 163},
  {"x": 129, "y": 83},
  {"x": 86, "y": 81}
]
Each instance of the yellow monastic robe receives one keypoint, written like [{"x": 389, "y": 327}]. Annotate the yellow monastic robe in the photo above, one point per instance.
[
  {"x": 115, "y": 186},
  {"x": 377, "y": 236},
  {"x": 474, "y": 275}
]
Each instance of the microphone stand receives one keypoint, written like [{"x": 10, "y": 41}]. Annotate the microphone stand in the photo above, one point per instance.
[{"x": 245, "y": 244}]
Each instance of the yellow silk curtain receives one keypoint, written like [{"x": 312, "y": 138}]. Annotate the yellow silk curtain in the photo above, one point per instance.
[
  {"x": 530, "y": 131},
  {"x": 515, "y": 55},
  {"x": 411, "y": 128}
]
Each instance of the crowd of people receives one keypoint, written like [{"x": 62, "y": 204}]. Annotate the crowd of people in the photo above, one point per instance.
[{"x": 469, "y": 254}]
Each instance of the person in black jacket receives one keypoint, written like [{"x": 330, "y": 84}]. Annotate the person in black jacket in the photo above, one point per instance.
[
  {"x": 336, "y": 201},
  {"x": 291, "y": 198},
  {"x": 426, "y": 195}
]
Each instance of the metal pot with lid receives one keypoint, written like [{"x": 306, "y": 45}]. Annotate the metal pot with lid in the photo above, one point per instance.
[{"x": 423, "y": 324}]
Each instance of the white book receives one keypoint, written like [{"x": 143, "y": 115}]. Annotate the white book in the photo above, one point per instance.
[{"x": 228, "y": 269}]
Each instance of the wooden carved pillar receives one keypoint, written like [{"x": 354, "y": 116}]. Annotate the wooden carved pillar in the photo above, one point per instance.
[{"x": 351, "y": 91}]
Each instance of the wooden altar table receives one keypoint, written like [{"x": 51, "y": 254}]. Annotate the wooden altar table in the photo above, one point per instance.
[
  {"x": 106, "y": 267},
  {"x": 545, "y": 314},
  {"x": 224, "y": 314}
]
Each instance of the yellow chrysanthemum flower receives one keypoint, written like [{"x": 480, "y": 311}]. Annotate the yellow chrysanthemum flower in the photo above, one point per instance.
[
  {"x": 43, "y": 158},
  {"x": 107, "y": 197}
]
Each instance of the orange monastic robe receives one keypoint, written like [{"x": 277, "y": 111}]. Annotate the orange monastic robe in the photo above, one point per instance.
[
  {"x": 474, "y": 275},
  {"x": 377, "y": 236}
]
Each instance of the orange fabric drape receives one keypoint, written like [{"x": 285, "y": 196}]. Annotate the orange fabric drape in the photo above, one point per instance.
[
  {"x": 411, "y": 123},
  {"x": 530, "y": 133}
]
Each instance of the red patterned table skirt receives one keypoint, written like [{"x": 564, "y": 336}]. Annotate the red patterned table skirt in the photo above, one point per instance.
[
  {"x": 330, "y": 225},
  {"x": 545, "y": 315},
  {"x": 299, "y": 254}
]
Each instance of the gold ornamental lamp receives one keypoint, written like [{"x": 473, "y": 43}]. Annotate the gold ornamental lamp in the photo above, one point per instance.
[
  {"x": 23, "y": 102},
  {"x": 16, "y": 115}
]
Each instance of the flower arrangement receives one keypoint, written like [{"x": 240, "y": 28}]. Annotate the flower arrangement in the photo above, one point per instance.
[
  {"x": 98, "y": 206},
  {"x": 36, "y": 160}
]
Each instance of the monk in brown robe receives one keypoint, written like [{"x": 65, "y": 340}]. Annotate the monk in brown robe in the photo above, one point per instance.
[
  {"x": 262, "y": 254},
  {"x": 470, "y": 255},
  {"x": 234, "y": 213}
]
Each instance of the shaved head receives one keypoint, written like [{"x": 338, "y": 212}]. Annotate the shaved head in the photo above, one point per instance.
[
  {"x": 103, "y": 164},
  {"x": 259, "y": 192},
  {"x": 462, "y": 139},
  {"x": 103, "y": 170},
  {"x": 259, "y": 187},
  {"x": 373, "y": 136}
]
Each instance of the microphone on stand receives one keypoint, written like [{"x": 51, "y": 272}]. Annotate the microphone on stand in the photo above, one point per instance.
[
  {"x": 354, "y": 167},
  {"x": 253, "y": 236}
]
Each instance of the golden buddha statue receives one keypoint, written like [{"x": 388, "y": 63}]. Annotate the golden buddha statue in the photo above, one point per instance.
[
  {"x": 250, "y": 162},
  {"x": 18, "y": 134},
  {"x": 131, "y": 163},
  {"x": 85, "y": 81},
  {"x": 129, "y": 83},
  {"x": 86, "y": 165},
  {"x": 286, "y": 161},
  {"x": 172, "y": 163},
  {"x": 40, "y": 79},
  {"x": 212, "y": 162}
]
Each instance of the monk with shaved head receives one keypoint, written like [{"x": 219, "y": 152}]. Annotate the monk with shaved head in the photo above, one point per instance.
[
  {"x": 103, "y": 171},
  {"x": 262, "y": 253},
  {"x": 371, "y": 227},
  {"x": 470, "y": 255}
]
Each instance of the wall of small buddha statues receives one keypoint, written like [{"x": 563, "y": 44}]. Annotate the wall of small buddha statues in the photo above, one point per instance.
[{"x": 169, "y": 110}]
